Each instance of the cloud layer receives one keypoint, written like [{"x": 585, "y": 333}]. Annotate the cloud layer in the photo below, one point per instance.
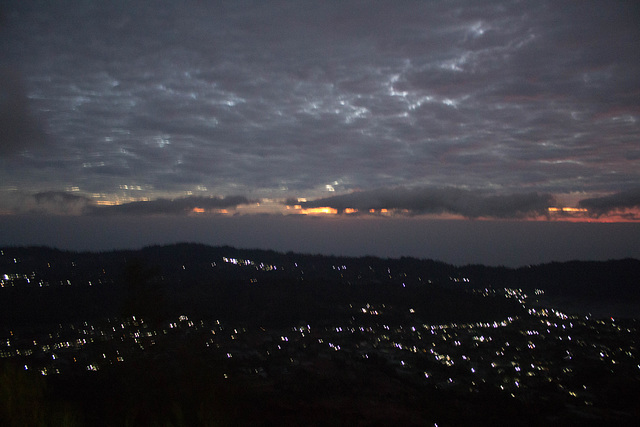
[
  {"x": 622, "y": 201},
  {"x": 296, "y": 99},
  {"x": 439, "y": 200},
  {"x": 65, "y": 203},
  {"x": 19, "y": 130},
  {"x": 182, "y": 206}
]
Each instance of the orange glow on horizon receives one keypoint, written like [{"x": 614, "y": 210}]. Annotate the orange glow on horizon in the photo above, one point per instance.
[
  {"x": 568, "y": 214},
  {"x": 384, "y": 211},
  {"x": 350, "y": 210},
  {"x": 214, "y": 211},
  {"x": 319, "y": 211},
  {"x": 554, "y": 209}
]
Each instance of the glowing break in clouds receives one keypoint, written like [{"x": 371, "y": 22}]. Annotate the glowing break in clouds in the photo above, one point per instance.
[
  {"x": 416, "y": 201},
  {"x": 625, "y": 204},
  {"x": 65, "y": 203}
]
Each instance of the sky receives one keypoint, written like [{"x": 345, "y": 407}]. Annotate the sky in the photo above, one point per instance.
[{"x": 501, "y": 132}]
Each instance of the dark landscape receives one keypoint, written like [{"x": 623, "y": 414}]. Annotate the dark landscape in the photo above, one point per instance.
[
  {"x": 189, "y": 334},
  {"x": 438, "y": 201}
]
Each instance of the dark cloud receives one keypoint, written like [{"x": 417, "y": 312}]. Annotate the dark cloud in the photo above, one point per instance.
[
  {"x": 285, "y": 98},
  {"x": 46, "y": 202},
  {"x": 69, "y": 203},
  {"x": 621, "y": 201},
  {"x": 60, "y": 197},
  {"x": 19, "y": 130},
  {"x": 182, "y": 206},
  {"x": 439, "y": 200}
]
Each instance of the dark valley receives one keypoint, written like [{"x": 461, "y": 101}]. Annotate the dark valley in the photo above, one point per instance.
[{"x": 189, "y": 334}]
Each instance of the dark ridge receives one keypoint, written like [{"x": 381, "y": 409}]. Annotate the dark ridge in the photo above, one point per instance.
[{"x": 43, "y": 285}]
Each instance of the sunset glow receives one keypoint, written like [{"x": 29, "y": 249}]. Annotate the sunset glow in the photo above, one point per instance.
[
  {"x": 554, "y": 209},
  {"x": 319, "y": 211},
  {"x": 344, "y": 112}
]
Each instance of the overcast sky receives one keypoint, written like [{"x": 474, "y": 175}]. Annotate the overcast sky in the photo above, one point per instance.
[{"x": 498, "y": 110}]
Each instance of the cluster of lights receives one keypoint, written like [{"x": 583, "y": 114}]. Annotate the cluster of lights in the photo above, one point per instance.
[{"x": 248, "y": 263}]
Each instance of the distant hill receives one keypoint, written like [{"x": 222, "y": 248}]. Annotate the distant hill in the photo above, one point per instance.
[{"x": 43, "y": 285}]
